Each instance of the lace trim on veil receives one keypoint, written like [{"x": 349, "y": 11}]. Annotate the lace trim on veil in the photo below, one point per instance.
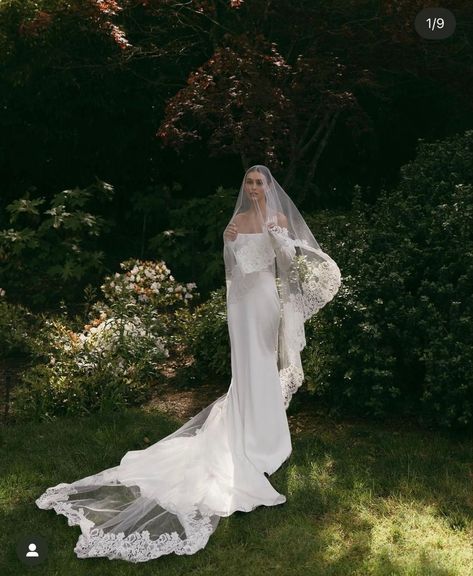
[
  {"x": 317, "y": 279},
  {"x": 137, "y": 546},
  {"x": 291, "y": 379}
]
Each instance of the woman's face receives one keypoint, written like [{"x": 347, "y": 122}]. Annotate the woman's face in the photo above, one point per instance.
[{"x": 254, "y": 186}]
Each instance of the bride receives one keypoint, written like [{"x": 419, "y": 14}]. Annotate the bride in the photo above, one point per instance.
[{"x": 169, "y": 497}]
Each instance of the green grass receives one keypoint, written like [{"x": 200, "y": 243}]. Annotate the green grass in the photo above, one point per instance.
[{"x": 362, "y": 499}]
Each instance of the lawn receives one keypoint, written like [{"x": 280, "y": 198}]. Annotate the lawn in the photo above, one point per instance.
[{"x": 362, "y": 498}]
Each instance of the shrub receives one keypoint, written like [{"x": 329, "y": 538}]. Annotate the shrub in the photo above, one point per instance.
[
  {"x": 50, "y": 250},
  {"x": 398, "y": 335},
  {"x": 117, "y": 355},
  {"x": 204, "y": 332},
  {"x": 194, "y": 241},
  {"x": 16, "y": 324}
]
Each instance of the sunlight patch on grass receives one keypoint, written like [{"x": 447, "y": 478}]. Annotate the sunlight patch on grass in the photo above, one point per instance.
[
  {"x": 296, "y": 478},
  {"x": 336, "y": 541},
  {"x": 322, "y": 474},
  {"x": 316, "y": 474},
  {"x": 409, "y": 534}
]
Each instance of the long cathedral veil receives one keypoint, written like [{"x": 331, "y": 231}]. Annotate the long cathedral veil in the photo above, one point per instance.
[
  {"x": 120, "y": 510},
  {"x": 169, "y": 497},
  {"x": 307, "y": 278}
]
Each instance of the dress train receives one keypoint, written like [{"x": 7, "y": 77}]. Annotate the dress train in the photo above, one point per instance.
[{"x": 169, "y": 497}]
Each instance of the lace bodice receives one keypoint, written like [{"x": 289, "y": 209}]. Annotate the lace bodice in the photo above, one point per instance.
[{"x": 253, "y": 252}]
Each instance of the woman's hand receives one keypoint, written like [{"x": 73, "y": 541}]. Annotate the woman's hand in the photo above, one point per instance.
[{"x": 231, "y": 232}]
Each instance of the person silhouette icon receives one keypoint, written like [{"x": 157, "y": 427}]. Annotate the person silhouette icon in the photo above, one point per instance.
[{"x": 32, "y": 551}]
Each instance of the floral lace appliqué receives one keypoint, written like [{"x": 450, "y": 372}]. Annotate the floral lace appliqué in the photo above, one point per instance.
[
  {"x": 318, "y": 288},
  {"x": 291, "y": 379},
  {"x": 254, "y": 253},
  {"x": 135, "y": 547}
]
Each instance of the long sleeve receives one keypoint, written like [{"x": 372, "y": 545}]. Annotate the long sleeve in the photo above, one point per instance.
[{"x": 283, "y": 246}]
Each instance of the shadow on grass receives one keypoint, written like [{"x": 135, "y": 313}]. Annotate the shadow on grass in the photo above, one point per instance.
[{"x": 361, "y": 499}]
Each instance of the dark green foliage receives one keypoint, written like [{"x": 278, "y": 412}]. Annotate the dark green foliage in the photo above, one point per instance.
[
  {"x": 194, "y": 241},
  {"x": 43, "y": 395},
  {"x": 50, "y": 248},
  {"x": 204, "y": 332},
  {"x": 114, "y": 360},
  {"x": 17, "y": 324},
  {"x": 79, "y": 99},
  {"x": 398, "y": 335}
]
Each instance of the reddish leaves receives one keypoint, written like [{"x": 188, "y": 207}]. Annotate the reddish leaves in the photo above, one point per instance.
[{"x": 35, "y": 27}]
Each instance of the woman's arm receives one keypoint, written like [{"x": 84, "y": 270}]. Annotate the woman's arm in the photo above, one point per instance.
[
  {"x": 282, "y": 220},
  {"x": 231, "y": 231}
]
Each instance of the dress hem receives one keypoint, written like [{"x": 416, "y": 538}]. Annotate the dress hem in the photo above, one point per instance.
[{"x": 137, "y": 546}]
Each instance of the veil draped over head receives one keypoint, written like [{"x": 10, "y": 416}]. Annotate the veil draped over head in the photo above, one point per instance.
[
  {"x": 306, "y": 277},
  {"x": 169, "y": 497}
]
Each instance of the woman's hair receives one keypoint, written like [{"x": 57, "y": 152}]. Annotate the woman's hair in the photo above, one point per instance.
[{"x": 262, "y": 170}]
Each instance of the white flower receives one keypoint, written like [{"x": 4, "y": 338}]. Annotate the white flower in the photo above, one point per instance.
[
  {"x": 170, "y": 289},
  {"x": 2, "y": 292},
  {"x": 171, "y": 278},
  {"x": 188, "y": 296},
  {"x": 135, "y": 270},
  {"x": 161, "y": 345}
]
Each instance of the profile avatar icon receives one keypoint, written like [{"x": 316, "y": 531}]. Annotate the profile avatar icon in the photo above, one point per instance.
[{"x": 32, "y": 551}]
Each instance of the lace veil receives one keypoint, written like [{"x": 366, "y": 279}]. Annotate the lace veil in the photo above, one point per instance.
[
  {"x": 170, "y": 496},
  {"x": 306, "y": 277}
]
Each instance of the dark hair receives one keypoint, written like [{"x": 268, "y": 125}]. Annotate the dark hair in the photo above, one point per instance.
[{"x": 262, "y": 170}]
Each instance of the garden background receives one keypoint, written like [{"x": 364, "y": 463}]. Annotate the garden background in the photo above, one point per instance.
[{"x": 126, "y": 130}]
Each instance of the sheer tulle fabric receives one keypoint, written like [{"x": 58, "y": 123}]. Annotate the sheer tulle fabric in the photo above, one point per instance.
[
  {"x": 307, "y": 278},
  {"x": 169, "y": 497}
]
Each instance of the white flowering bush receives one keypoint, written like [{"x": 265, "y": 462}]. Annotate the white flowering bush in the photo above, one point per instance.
[
  {"x": 147, "y": 282},
  {"x": 112, "y": 361}
]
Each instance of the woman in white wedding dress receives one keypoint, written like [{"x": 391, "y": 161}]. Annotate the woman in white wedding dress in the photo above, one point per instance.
[{"x": 169, "y": 497}]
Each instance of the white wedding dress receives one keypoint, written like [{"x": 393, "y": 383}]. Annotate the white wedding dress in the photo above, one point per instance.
[{"x": 169, "y": 497}]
